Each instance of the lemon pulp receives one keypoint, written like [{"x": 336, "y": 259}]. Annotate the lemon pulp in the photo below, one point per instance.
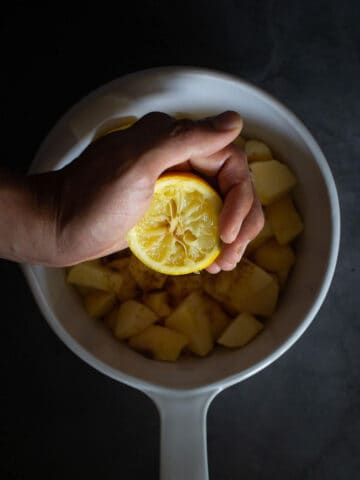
[{"x": 179, "y": 234}]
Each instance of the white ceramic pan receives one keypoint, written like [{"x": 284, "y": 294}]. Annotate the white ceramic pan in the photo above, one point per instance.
[{"x": 184, "y": 390}]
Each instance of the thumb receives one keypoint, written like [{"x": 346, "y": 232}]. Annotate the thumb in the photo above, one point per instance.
[{"x": 187, "y": 139}]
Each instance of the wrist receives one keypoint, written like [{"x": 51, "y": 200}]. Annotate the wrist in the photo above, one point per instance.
[{"x": 28, "y": 212}]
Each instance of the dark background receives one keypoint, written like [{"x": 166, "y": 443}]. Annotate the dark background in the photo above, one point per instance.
[{"x": 298, "y": 419}]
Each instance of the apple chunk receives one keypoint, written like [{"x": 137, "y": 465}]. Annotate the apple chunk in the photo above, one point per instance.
[
  {"x": 191, "y": 319},
  {"x": 272, "y": 179},
  {"x": 160, "y": 342},
  {"x": 240, "y": 331},
  {"x": 274, "y": 257},
  {"x": 146, "y": 278},
  {"x": 94, "y": 275},
  {"x": 97, "y": 303},
  {"x": 284, "y": 219},
  {"x": 257, "y": 151},
  {"x": 247, "y": 288},
  {"x": 131, "y": 318},
  {"x": 158, "y": 302}
]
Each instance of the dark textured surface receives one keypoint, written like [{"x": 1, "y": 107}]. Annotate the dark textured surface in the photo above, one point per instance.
[{"x": 298, "y": 419}]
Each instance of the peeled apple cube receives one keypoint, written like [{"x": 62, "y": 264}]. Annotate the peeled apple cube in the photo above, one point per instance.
[
  {"x": 247, "y": 288},
  {"x": 274, "y": 257},
  {"x": 97, "y": 304},
  {"x": 284, "y": 219},
  {"x": 132, "y": 318},
  {"x": 119, "y": 264},
  {"x": 83, "y": 291},
  {"x": 129, "y": 288},
  {"x": 94, "y": 275},
  {"x": 257, "y": 151},
  {"x": 191, "y": 319},
  {"x": 146, "y": 278},
  {"x": 240, "y": 331},
  {"x": 181, "y": 286},
  {"x": 161, "y": 343},
  {"x": 158, "y": 302},
  {"x": 272, "y": 179},
  {"x": 219, "y": 320}
]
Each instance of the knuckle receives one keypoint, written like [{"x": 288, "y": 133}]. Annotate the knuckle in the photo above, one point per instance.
[
  {"x": 156, "y": 117},
  {"x": 240, "y": 154},
  {"x": 259, "y": 220},
  {"x": 237, "y": 156},
  {"x": 182, "y": 128}
]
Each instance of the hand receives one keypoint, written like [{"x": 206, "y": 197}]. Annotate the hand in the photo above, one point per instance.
[
  {"x": 108, "y": 189},
  {"x": 92, "y": 203}
]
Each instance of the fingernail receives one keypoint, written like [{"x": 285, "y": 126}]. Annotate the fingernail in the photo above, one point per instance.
[
  {"x": 227, "y": 121},
  {"x": 230, "y": 236}
]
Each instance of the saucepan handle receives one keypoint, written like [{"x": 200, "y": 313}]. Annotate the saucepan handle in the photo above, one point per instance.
[{"x": 183, "y": 434}]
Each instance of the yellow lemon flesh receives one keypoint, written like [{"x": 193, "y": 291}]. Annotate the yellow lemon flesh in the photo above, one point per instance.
[{"x": 179, "y": 234}]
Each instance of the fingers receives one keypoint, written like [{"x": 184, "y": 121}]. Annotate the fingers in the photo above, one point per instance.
[
  {"x": 186, "y": 139},
  {"x": 231, "y": 253},
  {"x": 237, "y": 205},
  {"x": 235, "y": 184},
  {"x": 205, "y": 145}
]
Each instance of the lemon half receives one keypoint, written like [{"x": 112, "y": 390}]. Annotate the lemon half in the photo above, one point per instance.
[{"x": 179, "y": 234}]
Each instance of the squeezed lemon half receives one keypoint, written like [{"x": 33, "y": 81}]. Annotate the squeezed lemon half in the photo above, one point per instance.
[{"x": 179, "y": 234}]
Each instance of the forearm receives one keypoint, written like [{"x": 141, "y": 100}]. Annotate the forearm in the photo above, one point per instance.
[{"x": 28, "y": 217}]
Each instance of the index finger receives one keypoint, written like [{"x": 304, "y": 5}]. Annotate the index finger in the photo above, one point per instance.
[{"x": 187, "y": 140}]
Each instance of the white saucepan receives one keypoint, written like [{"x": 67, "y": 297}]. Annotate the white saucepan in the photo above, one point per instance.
[{"x": 184, "y": 390}]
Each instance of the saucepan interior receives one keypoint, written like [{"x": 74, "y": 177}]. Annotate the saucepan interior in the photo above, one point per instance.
[{"x": 200, "y": 92}]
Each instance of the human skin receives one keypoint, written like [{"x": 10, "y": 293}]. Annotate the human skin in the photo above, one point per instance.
[{"x": 84, "y": 210}]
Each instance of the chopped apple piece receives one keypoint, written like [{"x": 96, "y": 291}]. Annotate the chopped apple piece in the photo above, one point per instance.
[
  {"x": 247, "y": 288},
  {"x": 257, "y": 151},
  {"x": 274, "y": 257},
  {"x": 94, "y": 275},
  {"x": 160, "y": 342},
  {"x": 272, "y": 180},
  {"x": 158, "y": 302},
  {"x": 284, "y": 219},
  {"x": 240, "y": 331},
  {"x": 129, "y": 289},
  {"x": 132, "y": 318},
  {"x": 146, "y": 278},
  {"x": 191, "y": 318},
  {"x": 83, "y": 291},
  {"x": 119, "y": 263},
  {"x": 98, "y": 304},
  {"x": 219, "y": 320},
  {"x": 180, "y": 287}
]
